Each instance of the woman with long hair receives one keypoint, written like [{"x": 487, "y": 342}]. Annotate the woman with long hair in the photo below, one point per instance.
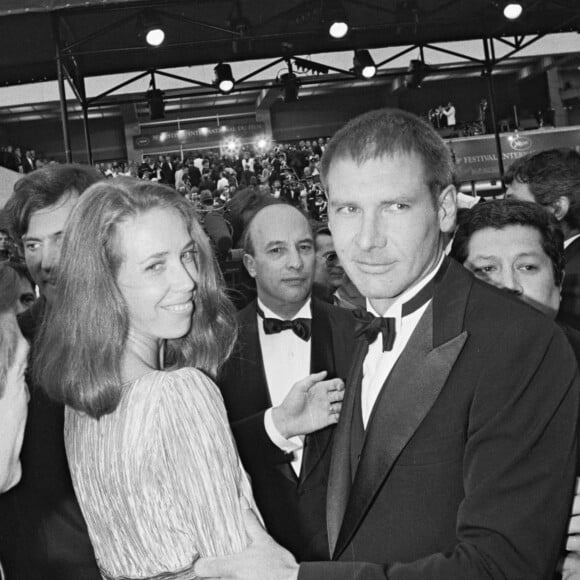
[{"x": 140, "y": 324}]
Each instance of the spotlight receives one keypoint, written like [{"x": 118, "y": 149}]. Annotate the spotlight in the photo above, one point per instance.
[
  {"x": 335, "y": 17},
  {"x": 156, "y": 104},
  {"x": 338, "y": 29},
  {"x": 291, "y": 86},
  {"x": 363, "y": 64},
  {"x": 512, "y": 10},
  {"x": 416, "y": 72},
  {"x": 224, "y": 79},
  {"x": 151, "y": 29},
  {"x": 155, "y": 37}
]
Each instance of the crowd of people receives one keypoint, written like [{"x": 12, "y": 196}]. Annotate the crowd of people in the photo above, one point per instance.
[
  {"x": 443, "y": 116},
  {"x": 395, "y": 396},
  {"x": 13, "y": 158}
]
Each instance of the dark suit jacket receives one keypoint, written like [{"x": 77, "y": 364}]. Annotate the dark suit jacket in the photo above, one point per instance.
[
  {"x": 569, "y": 312},
  {"x": 42, "y": 531},
  {"x": 293, "y": 509},
  {"x": 168, "y": 173},
  {"x": 468, "y": 466}
]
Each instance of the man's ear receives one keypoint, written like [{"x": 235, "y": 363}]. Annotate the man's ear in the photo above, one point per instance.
[
  {"x": 560, "y": 207},
  {"x": 447, "y": 209},
  {"x": 250, "y": 264}
]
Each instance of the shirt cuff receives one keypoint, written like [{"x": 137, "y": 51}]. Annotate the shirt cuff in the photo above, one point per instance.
[{"x": 286, "y": 445}]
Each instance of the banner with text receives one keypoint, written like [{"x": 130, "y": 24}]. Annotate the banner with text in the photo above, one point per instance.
[
  {"x": 204, "y": 137},
  {"x": 476, "y": 157}
]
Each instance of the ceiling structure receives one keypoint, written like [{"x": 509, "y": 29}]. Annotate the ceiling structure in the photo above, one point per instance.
[
  {"x": 199, "y": 102},
  {"x": 102, "y": 37},
  {"x": 94, "y": 38}
]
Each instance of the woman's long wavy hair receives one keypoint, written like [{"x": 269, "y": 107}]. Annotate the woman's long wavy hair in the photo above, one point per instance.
[{"x": 83, "y": 337}]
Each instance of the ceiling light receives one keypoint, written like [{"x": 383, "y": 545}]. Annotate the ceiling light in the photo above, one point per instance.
[
  {"x": 155, "y": 37},
  {"x": 156, "y": 104},
  {"x": 224, "y": 79},
  {"x": 363, "y": 64},
  {"x": 291, "y": 86},
  {"x": 416, "y": 72},
  {"x": 338, "y": 29},
  {"x": 512, "y": 10},
  {"x": 334, "y": 16},
  {"x": 151, "y": 28}
]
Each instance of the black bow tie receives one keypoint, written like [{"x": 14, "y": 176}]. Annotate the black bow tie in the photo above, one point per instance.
[
  {"x": 369, "y": 326},
  {"x": 299, "y": 326}
]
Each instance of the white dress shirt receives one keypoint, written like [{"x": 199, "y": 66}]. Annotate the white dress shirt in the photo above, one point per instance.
[
  {"x": 286, "y": 361},
  {"x": 377, "y": 364}
]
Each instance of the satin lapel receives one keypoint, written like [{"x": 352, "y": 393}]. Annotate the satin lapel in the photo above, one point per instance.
[
  {"x": 251, "y": 360},
  {"x": 251, "y": 351},
  {"x": 407, "y": 396},
  {"x": 321, "y": 359},
  {"x": 339, "y": 478}
]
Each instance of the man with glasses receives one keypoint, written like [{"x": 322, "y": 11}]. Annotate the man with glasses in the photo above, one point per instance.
[{"x": 330, "y": 281}]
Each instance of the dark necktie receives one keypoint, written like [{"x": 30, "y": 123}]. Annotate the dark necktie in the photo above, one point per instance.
[
  {"x": 368, "y": 326},
  {"x": 299, "y": 326}
]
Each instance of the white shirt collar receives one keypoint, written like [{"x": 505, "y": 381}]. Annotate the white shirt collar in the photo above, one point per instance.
[{"x": 304, "y": 312}]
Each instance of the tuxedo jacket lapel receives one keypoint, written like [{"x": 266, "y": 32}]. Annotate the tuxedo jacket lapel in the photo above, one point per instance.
[
  {"x": 256, "y": 382},
  {"x": 250, "y": 350},
  {"x": 321, "y": 358},
  {"x": 339, "y": 479}
]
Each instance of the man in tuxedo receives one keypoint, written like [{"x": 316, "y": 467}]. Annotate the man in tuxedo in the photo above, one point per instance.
[
  {"x": 289, "y": 474},
  {"x": 518, "y": 246},
  {"x": 551, "y": 178},
  {"x": 455, "y": 453},
  {"x": 42, "y": 531},
  {"x": 167, "y": 172}
]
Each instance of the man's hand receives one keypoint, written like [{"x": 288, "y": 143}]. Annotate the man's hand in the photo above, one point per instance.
[
  {"x": 311, "y": 404},
  {"x": 573, "y": 543},
  {"x": 571, "y": 566},
  {"x": 263, "y": 558}
]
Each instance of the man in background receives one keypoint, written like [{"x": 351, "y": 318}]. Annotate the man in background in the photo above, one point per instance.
[
  {"x": 513, "y": 245},
  {"x": 551, "y": 179},
  {"x": 288, "y": 344},
  {"x": 43, "y": 533},
  {"x": 330, "y": 281}
]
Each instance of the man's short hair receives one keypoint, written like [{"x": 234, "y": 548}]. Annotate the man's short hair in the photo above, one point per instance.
[
  {"x": 499, "y": 214},
  {"x": 320, "y": 230},
  {"x": 45, "y": 187},
  {"x": 551, "y": 174},
  {"x": 385, "y": 133}
]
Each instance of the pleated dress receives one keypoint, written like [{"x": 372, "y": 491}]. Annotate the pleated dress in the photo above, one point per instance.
[{"x": 159, "y": 480}]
